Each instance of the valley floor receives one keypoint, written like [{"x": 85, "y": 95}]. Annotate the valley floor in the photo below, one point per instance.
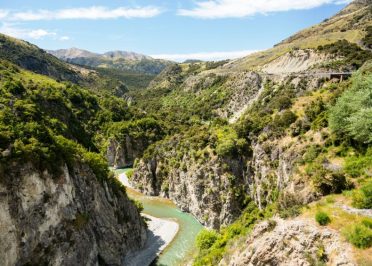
[{"x": 160, "y": 234}]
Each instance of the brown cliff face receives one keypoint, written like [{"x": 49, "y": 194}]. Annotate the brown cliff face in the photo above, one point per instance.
[{"x": 68, "y": 219}]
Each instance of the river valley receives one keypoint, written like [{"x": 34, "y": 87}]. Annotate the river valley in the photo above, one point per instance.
[{"x": 181, "y": 247}]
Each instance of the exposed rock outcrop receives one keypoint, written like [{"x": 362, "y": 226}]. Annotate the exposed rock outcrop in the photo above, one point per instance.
[
  {"x": 69, "y": 218},
  {"x": 295, "y": 61},
  {"x": 123, "y": 153},
  {"x": 291, "y": 242},
  {"x": 205, "y": 189}
]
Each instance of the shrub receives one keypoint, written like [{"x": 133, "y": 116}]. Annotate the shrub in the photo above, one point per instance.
[
  {"x": 314, "y": 109},
  {"x": 129, "y": 173},
  {"x": 356, "y": 166},
  {"x": 311, "y": 153},
  {"x": 352, "y": 114},
  {"x": 362, "y": 199},
  {"x": 284, "y": 120},
  {"x": 322, "y": 218},
  {"x": 205, "y": 239},
  {"x": 359, "y": 235},
  {"x": 289, "y": 205},
  {"x": 367, "y": 223},
  {"x": 138, "y": 205}
]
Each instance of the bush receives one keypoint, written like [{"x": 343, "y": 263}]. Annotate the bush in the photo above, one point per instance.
[
  {"x": 289, "y": 205},
  {"x": 362, "y": 199},
  {"x": 322, "y": 218},
  {"x": 352, "y": 53},
  {"x": 311, "y": 153},
  {"x": 138, "y": 205},
  {"x": 359, "y": 235},
  {"x": 314, "y": 109},
  {"x": 284, "y": 120},
  {"x": 351, "y": 117},
  {"x": 130, "y": 173},
  {"x": 367, "y": 223},
  {"x": 205, "y": 239},
  {"x": 357, "y": 166}
]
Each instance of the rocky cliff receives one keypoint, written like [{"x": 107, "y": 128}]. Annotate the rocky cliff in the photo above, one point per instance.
[
  {"x": 206, "y": 188},
  {"x": 122, "y": 153},
  {"x": 128, "y": 140},
  {"x": 65, "y": 219},
  {"x": 293, "y": 242},
  {"x": 195, "y": 171}
]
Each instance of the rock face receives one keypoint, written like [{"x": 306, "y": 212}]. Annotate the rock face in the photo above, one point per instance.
[
  {"x": 295, "y": 61},
  {"x": 204, "y": 189},
  {"x": 291, "y": 242},
  {"x": 123, "y": 153},
  {"x": 65, "y": 219}
]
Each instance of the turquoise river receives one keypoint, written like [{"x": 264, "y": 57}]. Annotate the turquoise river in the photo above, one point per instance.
[{"x": 180, "y": 249}]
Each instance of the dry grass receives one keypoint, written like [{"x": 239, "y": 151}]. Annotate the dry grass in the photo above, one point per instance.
[{"x": 339, "y": 221}]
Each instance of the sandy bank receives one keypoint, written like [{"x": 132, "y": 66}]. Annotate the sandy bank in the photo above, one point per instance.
[{"x": 160, "y": 234}]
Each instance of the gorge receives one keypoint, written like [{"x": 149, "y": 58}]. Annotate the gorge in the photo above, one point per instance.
[{"x": 121, "y": 159}]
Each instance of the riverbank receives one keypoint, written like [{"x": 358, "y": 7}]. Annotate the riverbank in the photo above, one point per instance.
[
  {"x": 160, "y": 234},
  {"x": 181, "y": 247},
  {"x": 124, "y": 180}
]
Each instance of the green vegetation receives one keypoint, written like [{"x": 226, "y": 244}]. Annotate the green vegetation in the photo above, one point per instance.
[
  {"x": 138, "y": 205},
  {"x": 359, "y": 165},
  {"x": 213, "y": 245},
  {"x": 48, "y": 123},
  {"x": 147, "y": 66},
  {"x": 367, "y": 40},
  {"x": 288, "y": 205},
  {"x": 133, "y": 80},
  {"x": 206, "y": 239},
  {"x": 129, "y": 173},
  {"x": 351, "y": 53},
  {"x": 360, "y": 234},
  {"x": 362, "y": 198},
  {"x": 322, "y": 218},
  {"x": 32, "y": 58},
  {"x": 351, "y": 117}
]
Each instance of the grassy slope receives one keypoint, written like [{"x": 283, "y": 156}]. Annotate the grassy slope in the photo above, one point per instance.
[
  {"x": 30, "y": 57},
  {"x": 350, "y": 24}
]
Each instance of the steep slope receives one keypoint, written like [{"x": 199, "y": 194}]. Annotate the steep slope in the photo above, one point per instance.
[
  {"x": 245, "y": 145},
  {"x": 59, "y": 205},
  {"x": 350, "y": 24},
  {"x": 37, "y": 60},
  {"x": 34, "y": 59},
  {"x": 121, "y": 60}
]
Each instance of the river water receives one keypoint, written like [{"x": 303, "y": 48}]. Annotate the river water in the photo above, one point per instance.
[{"x": 182, "y": 246}]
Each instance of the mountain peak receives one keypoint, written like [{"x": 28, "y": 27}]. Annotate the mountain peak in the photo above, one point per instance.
[
  {"x": 125, "y": 55},
  {"x": 72, "y": 53}
]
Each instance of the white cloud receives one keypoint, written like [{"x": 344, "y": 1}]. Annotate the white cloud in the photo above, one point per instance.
[
  {"x": 208, "y": 56},
  {"x": 94, "y": 12},
  {"x": 242, "y": 8},
  {"x": 3, "y": 13},
  {"x": 22, "y": 33},
  {"x": 64, "y": 38}
]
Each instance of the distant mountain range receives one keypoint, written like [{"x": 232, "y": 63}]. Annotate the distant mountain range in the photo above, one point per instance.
[{"x": 122, "y": 60}]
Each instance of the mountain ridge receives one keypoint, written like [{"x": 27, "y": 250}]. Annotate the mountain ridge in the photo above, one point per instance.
[{"x": 121, "y": 60}]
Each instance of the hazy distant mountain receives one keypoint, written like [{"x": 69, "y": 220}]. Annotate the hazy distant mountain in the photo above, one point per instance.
[
  {"x": 72, "y": 53},
  {"x": 121, "y": 60}
]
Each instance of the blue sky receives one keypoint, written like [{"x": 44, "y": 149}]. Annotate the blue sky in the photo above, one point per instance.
[{"x": 173, "y": 29}]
